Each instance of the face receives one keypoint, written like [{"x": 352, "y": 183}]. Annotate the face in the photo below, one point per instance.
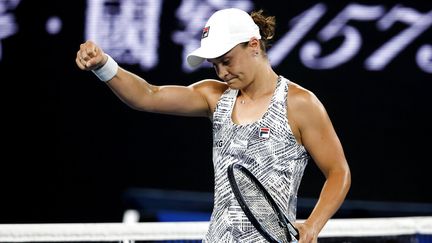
[{"x": 236, "y": 67}]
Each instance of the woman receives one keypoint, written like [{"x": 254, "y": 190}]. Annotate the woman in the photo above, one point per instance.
[{"x": 271, "y": 125}]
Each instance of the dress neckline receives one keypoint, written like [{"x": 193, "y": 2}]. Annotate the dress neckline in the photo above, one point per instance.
[{"x": 272, "y": 99}]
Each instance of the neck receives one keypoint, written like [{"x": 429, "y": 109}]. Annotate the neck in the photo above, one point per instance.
[{"x": 262, "y": 85}]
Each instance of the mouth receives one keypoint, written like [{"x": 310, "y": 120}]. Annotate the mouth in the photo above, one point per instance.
[{"x": 229, "y": 80}]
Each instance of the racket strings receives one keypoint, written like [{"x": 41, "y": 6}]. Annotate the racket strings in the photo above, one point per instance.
[{"x": 260, "y": 207}]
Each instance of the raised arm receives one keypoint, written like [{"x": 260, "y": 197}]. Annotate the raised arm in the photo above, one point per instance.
[
  {"x": 317, "y": 134},
  {"x": 197, "y": 99}
]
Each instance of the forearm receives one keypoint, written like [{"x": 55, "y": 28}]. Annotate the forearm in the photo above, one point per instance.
[
  {"x": 140, "y": 94},
  {"x": 332, "y": 196},
  {"x": 131, "y": 89},
  {"x": 167, "y": 99}
]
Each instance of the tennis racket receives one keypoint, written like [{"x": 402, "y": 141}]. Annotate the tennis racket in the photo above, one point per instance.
[{"x": 259, "y": 207}]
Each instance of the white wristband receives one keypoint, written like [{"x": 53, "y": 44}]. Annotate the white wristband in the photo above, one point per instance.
[{"x": 107, "y": 71}]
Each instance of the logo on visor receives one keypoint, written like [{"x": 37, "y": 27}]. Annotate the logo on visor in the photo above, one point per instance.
[{"x": 205, "y": 32}]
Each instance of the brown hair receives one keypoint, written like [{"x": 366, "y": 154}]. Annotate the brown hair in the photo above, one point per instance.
[{"x": 267, "y": 25}]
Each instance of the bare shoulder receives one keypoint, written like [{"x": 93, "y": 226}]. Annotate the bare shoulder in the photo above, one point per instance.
[
  {"x": 304, "y": 109},
  {"x": 300, "y": 98},
  {"x": 209, "y": 87},
  {"x": 211, "y": 90},
  {"x": 210, "y": 84}
]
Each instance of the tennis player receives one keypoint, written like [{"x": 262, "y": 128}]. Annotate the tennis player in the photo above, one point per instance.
[{"x": 270, "y": 124}]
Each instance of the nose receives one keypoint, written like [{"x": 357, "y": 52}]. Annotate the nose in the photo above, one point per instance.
[{"x": 221, "y": 71}]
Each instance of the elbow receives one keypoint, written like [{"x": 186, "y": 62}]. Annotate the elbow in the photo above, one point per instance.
[
  {"x": 341, "y": 177},
  {"x": 133, "y": 105},
  {"x": 346, "y": 179}
]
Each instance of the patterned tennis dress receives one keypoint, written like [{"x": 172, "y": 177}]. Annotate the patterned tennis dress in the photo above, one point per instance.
[{"x": 268, "y": 149}]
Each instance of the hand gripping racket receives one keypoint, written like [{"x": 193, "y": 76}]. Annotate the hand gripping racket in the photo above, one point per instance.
[{"x": 259, "y": 207}]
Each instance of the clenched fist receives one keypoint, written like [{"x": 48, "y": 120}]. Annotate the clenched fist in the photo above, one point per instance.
[{"x": 90, "y": 56}]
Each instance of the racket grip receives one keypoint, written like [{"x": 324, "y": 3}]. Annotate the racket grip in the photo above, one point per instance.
[{"x": 294, "y": 232}]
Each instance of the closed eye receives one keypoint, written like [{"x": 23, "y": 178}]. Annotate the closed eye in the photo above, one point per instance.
[{"x": 225, "y": 62}]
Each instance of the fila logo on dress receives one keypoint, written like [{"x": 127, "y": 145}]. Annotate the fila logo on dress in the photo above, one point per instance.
[{"x": 264, "y": 132}]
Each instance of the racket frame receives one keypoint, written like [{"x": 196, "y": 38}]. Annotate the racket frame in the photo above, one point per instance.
[{"x": 288, "y": 227}]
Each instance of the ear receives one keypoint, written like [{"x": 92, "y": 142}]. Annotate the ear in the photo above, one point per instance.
[{"x": 254, "y": 43}]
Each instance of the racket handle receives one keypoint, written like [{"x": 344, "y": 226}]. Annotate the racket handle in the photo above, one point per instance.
[{"x": 294, "y": 232}]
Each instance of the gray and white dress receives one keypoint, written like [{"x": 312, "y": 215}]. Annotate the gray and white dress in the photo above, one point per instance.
[{"x": 268, "y": 149}]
